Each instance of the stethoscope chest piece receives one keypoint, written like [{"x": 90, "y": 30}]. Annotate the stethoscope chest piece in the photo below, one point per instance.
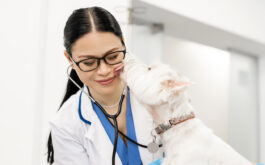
[{"x": 153, "y": 147}]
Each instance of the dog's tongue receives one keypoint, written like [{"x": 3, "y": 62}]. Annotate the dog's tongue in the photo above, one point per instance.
[{"x": 118, "y": 70}]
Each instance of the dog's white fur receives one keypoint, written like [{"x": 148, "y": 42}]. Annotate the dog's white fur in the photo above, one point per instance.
[{"x": 162, "y": 91}]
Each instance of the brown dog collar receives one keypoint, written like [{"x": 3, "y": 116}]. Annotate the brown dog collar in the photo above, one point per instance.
[{"x": 161, "y": 128}]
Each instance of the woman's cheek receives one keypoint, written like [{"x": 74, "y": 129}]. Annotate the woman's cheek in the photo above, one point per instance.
[{"x": 86, "y": 78}]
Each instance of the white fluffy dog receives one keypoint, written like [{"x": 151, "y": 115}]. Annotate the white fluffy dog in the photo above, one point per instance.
[{"x": 186, "y": 140}]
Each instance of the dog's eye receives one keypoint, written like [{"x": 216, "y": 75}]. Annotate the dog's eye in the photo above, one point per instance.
[{"x": 149, "y": 68}]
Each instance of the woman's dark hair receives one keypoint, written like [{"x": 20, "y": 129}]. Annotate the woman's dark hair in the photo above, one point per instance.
[{"x": 81, "y": 22}]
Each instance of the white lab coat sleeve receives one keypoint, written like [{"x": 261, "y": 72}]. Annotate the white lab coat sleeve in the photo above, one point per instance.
[{"x": 67, "y": 149}]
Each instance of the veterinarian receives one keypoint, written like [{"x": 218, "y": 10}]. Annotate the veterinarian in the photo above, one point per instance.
[{"x": 97, "y": 101}]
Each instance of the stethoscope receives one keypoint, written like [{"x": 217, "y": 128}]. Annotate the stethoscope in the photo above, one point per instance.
[{"x": 152, "y": 147}]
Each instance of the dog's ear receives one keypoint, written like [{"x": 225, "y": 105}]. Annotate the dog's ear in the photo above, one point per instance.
[{"x": 176, "y": 86}]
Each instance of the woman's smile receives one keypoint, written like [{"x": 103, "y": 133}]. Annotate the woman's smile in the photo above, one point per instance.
[{"x": 106, "y": 81}]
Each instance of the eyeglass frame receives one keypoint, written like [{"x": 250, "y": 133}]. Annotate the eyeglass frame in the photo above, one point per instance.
[{"x": 98, "y": 60}]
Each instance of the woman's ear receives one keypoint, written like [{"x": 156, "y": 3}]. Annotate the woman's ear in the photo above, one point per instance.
[
  {"x": 68, "y": 58},
  {"x": 123, "y": 39}
]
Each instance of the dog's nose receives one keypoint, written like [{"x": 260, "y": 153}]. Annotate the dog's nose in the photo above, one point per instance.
[{"x": 149, "y": 68}]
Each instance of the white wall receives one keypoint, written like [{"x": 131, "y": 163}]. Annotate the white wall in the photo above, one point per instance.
[
  {"x": 245, "y": 18},
  {"x": 146, "y": 45},
  {"x": 209, "y": 69},
  {"x": 20, "y": 51}
]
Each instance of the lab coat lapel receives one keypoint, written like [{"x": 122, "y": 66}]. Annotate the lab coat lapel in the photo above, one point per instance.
[
  {"x": 97, "y": 136},
  {"x": 144, "y": 124}
]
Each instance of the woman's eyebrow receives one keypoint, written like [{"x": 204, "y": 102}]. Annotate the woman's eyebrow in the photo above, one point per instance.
[{"x": 86, "y": 55}]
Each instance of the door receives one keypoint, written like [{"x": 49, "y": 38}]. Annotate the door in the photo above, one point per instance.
[{"x": 243, "y": 110}]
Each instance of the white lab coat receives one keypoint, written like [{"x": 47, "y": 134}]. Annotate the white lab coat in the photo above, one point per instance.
[{"x": 78, "y": 143}]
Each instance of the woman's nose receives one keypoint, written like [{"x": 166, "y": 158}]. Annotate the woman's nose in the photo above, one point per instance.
[{"x": 103, "y": 68}]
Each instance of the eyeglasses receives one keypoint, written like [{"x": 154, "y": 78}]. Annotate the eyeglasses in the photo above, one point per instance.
[{"x": 92, "y": 63}]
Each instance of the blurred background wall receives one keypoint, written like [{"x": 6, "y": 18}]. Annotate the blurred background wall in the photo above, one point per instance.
[{"x": 220, "y": 45}]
